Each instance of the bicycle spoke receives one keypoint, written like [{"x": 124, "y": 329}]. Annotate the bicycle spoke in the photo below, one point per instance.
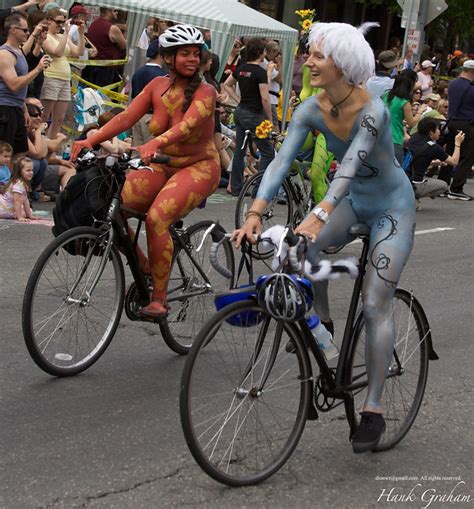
[
  {"x": 73, "y": 302},
  {"x": 405, "y": 385}
]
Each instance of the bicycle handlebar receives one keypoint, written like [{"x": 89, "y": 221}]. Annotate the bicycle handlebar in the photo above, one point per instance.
[
  {"x": 90, "y": 157},
  {"x": 297, "y": 246},
  {"x": 219, "y": 236}
]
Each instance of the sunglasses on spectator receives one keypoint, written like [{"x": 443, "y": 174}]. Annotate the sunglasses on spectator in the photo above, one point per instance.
[
  {"x": 59, "y": 21},
  {"x": 24, "y": 30},
  {"x": 35, "y": 115}
]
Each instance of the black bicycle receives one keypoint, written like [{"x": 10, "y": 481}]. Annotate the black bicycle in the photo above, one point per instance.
[
  {"x": 245, "y": 400},
  {"x": 290, "y": 206},
  {"x": 75, "y": 294}
]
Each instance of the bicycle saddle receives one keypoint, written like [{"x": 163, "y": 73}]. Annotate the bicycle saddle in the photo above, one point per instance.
[{"x": 359, "y": 230}]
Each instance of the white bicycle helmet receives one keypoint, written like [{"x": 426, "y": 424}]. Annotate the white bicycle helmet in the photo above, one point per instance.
[{"x": 181, "y": 35}]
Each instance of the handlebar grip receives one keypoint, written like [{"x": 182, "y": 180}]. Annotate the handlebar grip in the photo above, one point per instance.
[
  {"x": 223, "y": 271},
  {"x": 292, "y": 238},
  {"x": 160, "y": 159},
  {"x": 337, "y": 269},
  {"x": 218, "y": 233}
]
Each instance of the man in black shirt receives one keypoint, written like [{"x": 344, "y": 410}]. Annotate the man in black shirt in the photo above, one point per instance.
[
  {"x": 461, "y": 116},
  {"x": 425, "y": 150},
  {"x": 254, "y": 107}
]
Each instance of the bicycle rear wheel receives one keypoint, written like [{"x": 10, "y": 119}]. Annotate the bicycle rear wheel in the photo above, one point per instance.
[
  {"x": 73, "y": 302},
  {"x": 278, "y": 211},
  {"x": 240, "y": 426},
  {"x": 189, "y": 296},
  {"x": 405, "y": 385}
]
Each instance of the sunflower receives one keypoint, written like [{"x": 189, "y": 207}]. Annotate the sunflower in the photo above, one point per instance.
[
  {"x": 306, "y": 24},
  {"x": 263, "y": 129}
]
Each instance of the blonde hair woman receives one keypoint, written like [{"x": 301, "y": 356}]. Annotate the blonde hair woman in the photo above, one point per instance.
[{"x": 56, "y": 91}]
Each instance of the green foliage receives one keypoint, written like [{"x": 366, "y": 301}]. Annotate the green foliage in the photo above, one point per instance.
[
  {"x": 457, "y": 19},
  {"x": 460, "y": 14}
]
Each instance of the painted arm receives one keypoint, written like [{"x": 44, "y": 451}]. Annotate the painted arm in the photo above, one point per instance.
[
  {"x": 278, "y": 169},
  {"x": 200, "y": 112},
  {"x": 123, "y": 121}
]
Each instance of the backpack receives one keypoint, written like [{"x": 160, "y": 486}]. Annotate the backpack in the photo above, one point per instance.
[
  {"x": 88, "y": 106},
  {"x": 84, "y": 201}
]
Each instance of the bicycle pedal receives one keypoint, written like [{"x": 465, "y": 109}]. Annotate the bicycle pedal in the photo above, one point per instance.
[{"x": 150, "y": 319}]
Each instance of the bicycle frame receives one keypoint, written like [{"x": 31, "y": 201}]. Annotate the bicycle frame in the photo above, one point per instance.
[
  {"x": 304, "y": 195},
  {"x": 335, "y": 384},
  {"x": 119, "y": 233}
]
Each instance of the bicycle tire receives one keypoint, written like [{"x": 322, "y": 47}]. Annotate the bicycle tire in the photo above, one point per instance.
[
  {"x": 65, "y": 333},
  {"x": 219, "y": 400},
  {"x": 403, "y": 393},
  {"x": 187, "y": 315},
  {"x": 275, "y": 213}
]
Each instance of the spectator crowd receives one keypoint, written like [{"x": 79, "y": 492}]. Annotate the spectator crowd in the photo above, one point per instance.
[{"x": 44, "y": 48}]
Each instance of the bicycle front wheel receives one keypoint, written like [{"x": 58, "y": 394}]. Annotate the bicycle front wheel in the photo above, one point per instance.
[
  {"x": 406, "y": 380},
  {"x": 244, "y": 400},
  {"x": 278, "y": 211},
  {"x": 190, "y": 295},
  {"x": 73, "y": 302}
]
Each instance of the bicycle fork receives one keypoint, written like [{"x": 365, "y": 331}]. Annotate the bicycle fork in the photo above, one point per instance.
[
  {"x": 257, "y": 389},
  {"x": 84, "y": 301}
]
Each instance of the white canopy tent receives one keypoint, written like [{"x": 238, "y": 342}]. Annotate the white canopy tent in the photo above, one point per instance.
[{"x": 227, "y": 19}]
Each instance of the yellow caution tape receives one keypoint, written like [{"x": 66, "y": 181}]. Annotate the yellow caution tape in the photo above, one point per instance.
[
  {"x": 115, "y": 96},
  {"x": 446, "y": 78},
  {"x": 101, "y": 63}
]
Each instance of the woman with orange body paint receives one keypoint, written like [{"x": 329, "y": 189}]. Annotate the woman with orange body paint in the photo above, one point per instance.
[{"x": 183, "y": 126}]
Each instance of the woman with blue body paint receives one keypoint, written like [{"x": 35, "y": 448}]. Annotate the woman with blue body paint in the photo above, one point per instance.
[{"x": 369, "y": 187}]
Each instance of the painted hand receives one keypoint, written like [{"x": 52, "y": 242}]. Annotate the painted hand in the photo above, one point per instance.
[{"x": 78, "y": 146}]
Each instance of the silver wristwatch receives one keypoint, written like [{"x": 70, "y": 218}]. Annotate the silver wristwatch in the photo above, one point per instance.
[{"x": 321, "y": 214}]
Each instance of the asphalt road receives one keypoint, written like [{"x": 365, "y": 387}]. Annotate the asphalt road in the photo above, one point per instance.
[{"x": 111, "y": 437}]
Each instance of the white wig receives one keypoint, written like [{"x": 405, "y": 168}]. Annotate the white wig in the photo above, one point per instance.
[{"x": 347, "y": 46}]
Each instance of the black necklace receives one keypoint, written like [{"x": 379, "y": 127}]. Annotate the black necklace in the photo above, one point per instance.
[{"x": 334, "y": 112}]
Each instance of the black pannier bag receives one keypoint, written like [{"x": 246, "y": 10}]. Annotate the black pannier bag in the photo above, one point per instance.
[{"x": 84, "y": 201}]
